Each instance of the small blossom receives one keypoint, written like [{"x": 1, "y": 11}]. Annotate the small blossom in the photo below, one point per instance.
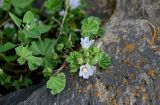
[
  {"x": 8, "y": 25},
  {"x": 74, "y": 3},
  {"x": 86, "y": 71},
  {"x": 86, "y": 43},
  {"x": 61, "y": 13}
]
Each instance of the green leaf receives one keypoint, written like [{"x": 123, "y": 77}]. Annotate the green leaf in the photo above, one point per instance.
[
  {"x": 94, "y": 53},
  {"x": 73, "y": 59},
  {"x": 21, "y": 60},
  {"x": 6, "y": 5},
  {"x": 5, "y": 79},
  {"x": 44, "y": 48},
  {"x": 56, "y": 83},
  {"x": 104, "y": 60},
  {"x": 16, "y": 20},
  {"x": 101, "y": 32},
  {"x": 33, "y": 33},
  {"x": 10, "y": 58},
  {"x": 25, "y": 81},
  {"x": 90, "y": 27},
  {"x": 34, "y": 62},
  {"x": 47, "y": 72},
  {"x": 26, "y": 55},
  {"x": 21, "y": 36},
  {"x": 43, "y": 28},
  {"x": 21, "y": 3},
  {"x": 7, "y": 46},
  {"x": 53, "y": 5},
  {"x": 9, "y": 33},
  {"x": 73, "y": 68},
  {"x": 28, "y": 17},
  {"x": 19, "y": 11},
  {"x": 23, "y": 52},
  {"x": 33, "y": 25}
]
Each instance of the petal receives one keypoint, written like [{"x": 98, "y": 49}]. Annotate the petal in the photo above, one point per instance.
[
  {"x": 82, "y": 39},
  {"x": 85, "y": 76},
  {"x": 93, "y": 68},
  {"x": 86, "y": 39},
  {"x": 74, "y": 3},
  {"x": 81, "y": 67},
  {"x": 90, "y": 72},
  {"x": 86, "y": 43},
  {"x": 82, "y": 43},
  {"x": 91, "y": 41},
  {"x": 86, "y": 46}
]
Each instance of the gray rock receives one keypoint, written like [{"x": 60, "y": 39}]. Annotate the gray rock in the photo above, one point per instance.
[
  {"x": 135, "y": 71},
  {"x": 140, "y": 9},
  {"x": 101, "y": 8},
  {"x": 18, "y": 96},
  {"x": 133, "y": 78}
]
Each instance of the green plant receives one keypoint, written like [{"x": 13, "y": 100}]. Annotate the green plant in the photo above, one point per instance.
[
  {"x": 39, "y": 41},
  {"x": 88, "y": 56}
]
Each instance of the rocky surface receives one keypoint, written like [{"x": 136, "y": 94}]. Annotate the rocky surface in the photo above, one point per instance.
[
  {"x": 133, "y": 78},
  {"x": 135, "y": 73},
  {"x": 101, "y": 8},
  {"x": 18, "y": 96}
]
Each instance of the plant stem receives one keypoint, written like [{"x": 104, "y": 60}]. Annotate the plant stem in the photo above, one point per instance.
[
  {"x": 56, "y": 20},
  {"x": 64, "y": 17},
  {"x": 61, "y": 68},
  {"x": 65, "y": 14},
  {"x": 5, "y": 22}
]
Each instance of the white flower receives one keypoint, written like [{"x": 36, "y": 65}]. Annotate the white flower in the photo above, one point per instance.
[
  {"x": 8, "y": 25},
  {"x": 86, "y": 71},
  {"x": 86, "y": 43},
  {"x": 61, "y": 13},
  {"x": 74, "y": 3}
]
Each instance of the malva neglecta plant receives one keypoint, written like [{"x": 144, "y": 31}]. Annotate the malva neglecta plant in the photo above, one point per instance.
[{"x": 44, "y": 40}]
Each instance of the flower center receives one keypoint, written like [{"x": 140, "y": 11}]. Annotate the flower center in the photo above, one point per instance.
[{"x": 85, "y": 69}]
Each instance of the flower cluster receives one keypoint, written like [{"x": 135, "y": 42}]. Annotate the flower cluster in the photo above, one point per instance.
[
  {"x": 86, "y": 70},
  {"x": 88, "y": 58}
]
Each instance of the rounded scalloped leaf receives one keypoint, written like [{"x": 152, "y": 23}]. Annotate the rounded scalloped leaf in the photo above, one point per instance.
[
  {"x": 90, "y": 27},
  {"x": 104, "y": 60},
  {"x": 56, "y": 83}
]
